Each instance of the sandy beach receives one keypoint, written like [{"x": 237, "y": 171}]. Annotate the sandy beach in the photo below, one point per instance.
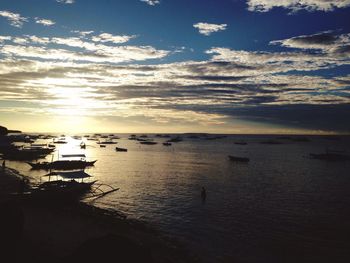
[{"x": 35, "y": 232}]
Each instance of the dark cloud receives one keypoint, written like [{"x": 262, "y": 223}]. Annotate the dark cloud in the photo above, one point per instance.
[
  {"x": 344, "y": 50},
  {"x": 325, "y": 38}
]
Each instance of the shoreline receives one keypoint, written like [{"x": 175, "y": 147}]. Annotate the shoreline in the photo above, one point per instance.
[{"x": 76, "y": 231}]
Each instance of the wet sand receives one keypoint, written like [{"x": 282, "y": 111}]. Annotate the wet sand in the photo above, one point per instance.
[{"x": 37, "y": 232}]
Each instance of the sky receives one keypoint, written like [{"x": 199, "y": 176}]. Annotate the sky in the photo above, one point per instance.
[{"x": 217, "y": 66}]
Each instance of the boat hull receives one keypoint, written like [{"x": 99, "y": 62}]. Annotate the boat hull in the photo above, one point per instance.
[
  {"x": 61, "y": 165},
  {"x": 61, "y": 191}
]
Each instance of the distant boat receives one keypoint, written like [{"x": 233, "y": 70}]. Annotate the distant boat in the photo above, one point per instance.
[
  {"x": 102, "y": 146},
  {"x": 176, "y": 139},
  {"x": 118, "y": 149},
  {"x": 241, "y": 143},
  {"x": 59, "y": 141},
  {"x": 167, "y": 143},
  {"x": 141, "y": 139},
  {"x": 238, "y": 159},
  {"x": 148, "y": 142}
]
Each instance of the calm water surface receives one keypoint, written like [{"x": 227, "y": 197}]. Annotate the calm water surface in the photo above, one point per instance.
[{"x": 281, "y": 207}]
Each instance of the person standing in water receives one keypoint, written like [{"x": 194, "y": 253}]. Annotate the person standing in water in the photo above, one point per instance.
[{"x": 203, "y": 194}]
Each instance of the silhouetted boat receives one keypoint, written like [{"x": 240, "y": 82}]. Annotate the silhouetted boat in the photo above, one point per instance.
[
  {"x": 25, "y": 153},
  {"x": 148, "y": 142},
  {"x": 167, "y": 143},
  {"x": 59, "y": 142},
  {"x": 118, "y": 149},
  {"x": 64, "y": 164},
  {"x": 132, "y": 137},
  {"x": 61, "y": 165},
  {"x": 238, "y": 159},
  {"x": 102, "y": 146},
  {"x": 176, "y": 139},
  {"x": 67, "y": 188}
]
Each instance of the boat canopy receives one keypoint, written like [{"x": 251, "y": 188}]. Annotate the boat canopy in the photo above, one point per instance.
[
  {"x": 73, "y": 155},
  {"x": 71, "y": 175}
]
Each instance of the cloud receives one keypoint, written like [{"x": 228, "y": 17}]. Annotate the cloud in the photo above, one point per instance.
[
  {"x": 83, "y": 33},
  {"x": 106, "y": 37},
  {"x": 207, "y": 29},
  {"x": 15, "y": 20},
  {"x": 151, "y": 2},
  {"x": 45, "y": 22},
  {"x": 66, "y": 1},
  {"x": 4, "y": 38},
  {"x": 325, "y": 41},
  {"x": 296, "y": 5},
  {"x": 103, "y": 54},
  {"x": 331, "y": 51},
  {"x": 85, "y": 50}
]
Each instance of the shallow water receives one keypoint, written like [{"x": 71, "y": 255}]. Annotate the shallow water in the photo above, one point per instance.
[{"x": 280, "y": 207}]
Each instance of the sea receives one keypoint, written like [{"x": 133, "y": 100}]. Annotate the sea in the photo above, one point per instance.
[{"x": 281, "y": 206}]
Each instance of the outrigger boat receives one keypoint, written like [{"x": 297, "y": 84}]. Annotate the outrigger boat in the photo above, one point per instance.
[
  {"x": 26, "y": 153},
  {"x": 68, "y": 186},
  {"x": 118, "y": 149},
  {"x": 64, "y": 164}
]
